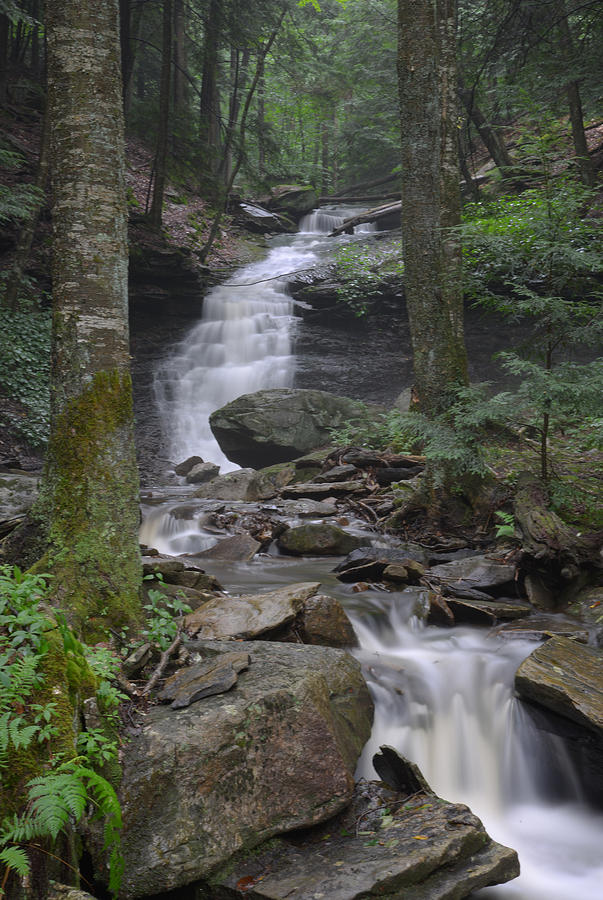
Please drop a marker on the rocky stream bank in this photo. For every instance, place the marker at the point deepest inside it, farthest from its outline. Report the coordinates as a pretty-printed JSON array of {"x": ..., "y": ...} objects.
[{"x": 238, "y": 765}]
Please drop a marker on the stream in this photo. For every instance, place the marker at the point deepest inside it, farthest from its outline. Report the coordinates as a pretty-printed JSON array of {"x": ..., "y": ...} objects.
[{"x": 443, "y": 697}]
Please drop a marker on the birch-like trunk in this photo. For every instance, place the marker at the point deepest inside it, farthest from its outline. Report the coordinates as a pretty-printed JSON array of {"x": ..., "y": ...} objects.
[
  {"x": 431, "y": 198},
  {"x": 90, "y": 496}
]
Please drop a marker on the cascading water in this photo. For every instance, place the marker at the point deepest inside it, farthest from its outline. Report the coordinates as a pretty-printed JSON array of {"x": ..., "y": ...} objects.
[
  {"x": 242, "y": 344},
  {"x": 445, "y": 700},
  {"x": 443, "y": 697}
]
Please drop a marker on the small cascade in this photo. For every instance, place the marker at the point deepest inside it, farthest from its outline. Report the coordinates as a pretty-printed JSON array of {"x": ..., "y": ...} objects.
[
  {"x": 320, "y": 222},
  {"x": 445, "y": 700}
]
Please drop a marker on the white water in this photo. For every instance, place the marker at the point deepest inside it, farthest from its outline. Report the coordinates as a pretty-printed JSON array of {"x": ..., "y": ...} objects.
[
  {"x": 242, "y": 344},
  {"x": 443, "y": 697}
]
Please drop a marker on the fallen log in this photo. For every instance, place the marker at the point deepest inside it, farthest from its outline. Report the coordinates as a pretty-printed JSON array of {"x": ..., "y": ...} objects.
[
  {"x": 371, "y": 215},
  {"x": 323, "y": 201}
]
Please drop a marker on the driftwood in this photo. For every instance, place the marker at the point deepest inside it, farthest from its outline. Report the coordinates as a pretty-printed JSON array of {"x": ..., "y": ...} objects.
[
  {"x": 371, "y": 215},
  {"x": 163, "y": 662}
]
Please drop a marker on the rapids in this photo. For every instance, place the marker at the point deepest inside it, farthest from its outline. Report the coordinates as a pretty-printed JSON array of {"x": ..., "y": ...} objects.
[{"x": 443, "y": 697}]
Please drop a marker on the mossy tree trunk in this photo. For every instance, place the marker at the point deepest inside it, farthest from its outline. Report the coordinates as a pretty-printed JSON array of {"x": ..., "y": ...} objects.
[
  {"x": 89, "y": 504},
  {"x": 427, "y": 81}
]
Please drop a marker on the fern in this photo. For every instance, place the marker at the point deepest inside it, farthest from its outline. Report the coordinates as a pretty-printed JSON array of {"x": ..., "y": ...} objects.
[{"x": 15, "y": 859}]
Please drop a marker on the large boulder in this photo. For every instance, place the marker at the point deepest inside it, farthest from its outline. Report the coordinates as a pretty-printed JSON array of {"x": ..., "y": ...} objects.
[
  {"x": 385, "y": 844},
  {"x": 278, "y": 425},
  {"x": 319, "y": 539},
  {"x": 292, "y": 199},
  {"x": 275, "y": 753}
]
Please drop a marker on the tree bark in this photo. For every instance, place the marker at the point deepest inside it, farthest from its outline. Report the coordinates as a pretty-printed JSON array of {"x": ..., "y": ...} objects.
[
  {"x": 89, "y": 499},
  {"x": 156, "y": 212},
  {"x": 488, "y": 134},
  {"x": 431, "y": 198},
  {"x": 585, "y": 163},
  {"x": 209, "y": 106}
]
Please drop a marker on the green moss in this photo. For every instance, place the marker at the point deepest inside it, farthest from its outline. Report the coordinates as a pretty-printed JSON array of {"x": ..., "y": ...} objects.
[{"x": 90, "y": 502}]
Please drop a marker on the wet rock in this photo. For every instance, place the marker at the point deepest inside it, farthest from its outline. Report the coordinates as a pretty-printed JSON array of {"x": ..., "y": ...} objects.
[
  {"x": 18, "y": 490},
  {"x": 306, "y": 508},
  {"x": 238, "y": 548},
  {"x": 326, "y": 489},
  {"x": 479, "y": 572},
  {"x": 399, "y": 773},
  {"x": 58, "y": 891},
  {"x": 319, "y": 539},
  {"x": 407, "y": 571},
  {"x": 371, "y": 562},
  {"x": 567, "y": 678},
  {"x": 202, "y": 472},
  {"x": 323, "y": 621},
  {"x": 191, "y": 596},
  {"x": 137, "y": 660},
  {"x": 538, "y": 627},
  {"x": 250, "y": 615},
  {"x": 197, "y": 579},
  {"x": 337, "y": 473},
  {"x": 274, "y": 754},
  {"x": 292, "y": 199},
  {"x": 486, "y": 612},
  {"x": 278, "y": 425},
  {"x": 388, "y": 476},
  {"x": 185, "y": 467},
  {"x": 386, "y": 844},
  {"x": 232, "y": 486},
  {"x": 588, "y": 605},
  {"x": 538, "y": 593},
  {"x": 257, "y": 219},
  {"x": 213, "y": 676},
  {"x": 161, "y": 567}
]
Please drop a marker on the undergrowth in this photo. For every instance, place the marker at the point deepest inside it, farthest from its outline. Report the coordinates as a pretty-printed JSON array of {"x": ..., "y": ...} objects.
[{"x": 25, "y": 371}]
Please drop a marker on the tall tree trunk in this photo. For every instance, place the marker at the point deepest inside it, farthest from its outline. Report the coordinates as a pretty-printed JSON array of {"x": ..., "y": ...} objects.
[
  {"x": 160, "y": 166},
  {"x": 261, "y": 122},
  {"x": 130, "y": 19},
  {"x": 239, "y": 64},
  {"x": 89, "y": 500},
  {"x": 431, "y": 198},
  {"x": 487, "y": 132},
  {"x": 241, "y": 142},
  {"x": 180, "y": 81},
  {"x": 587, "y": 169},
  {"x": 4, "y": 67},
  {"x": 324, "y": 158},
  {"x": 209, "y": 105}
]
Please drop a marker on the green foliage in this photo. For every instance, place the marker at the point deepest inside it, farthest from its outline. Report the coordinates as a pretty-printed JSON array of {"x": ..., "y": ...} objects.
[
  {"x": 25, "y": 372},
  {"x": 506, "y": 526},
  {"x": 161, "y": 626},
  {"x": 362, "y": 272},
  {"x": 536, "y": 259},
  {"x": 62, "y": 795},
  {"x": 17, "y": 201}
]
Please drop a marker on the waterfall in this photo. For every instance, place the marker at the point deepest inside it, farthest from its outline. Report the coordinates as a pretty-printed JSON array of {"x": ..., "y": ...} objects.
[
  {"x": 444, "y": 698},
  {"x": 242, "y": 344}
]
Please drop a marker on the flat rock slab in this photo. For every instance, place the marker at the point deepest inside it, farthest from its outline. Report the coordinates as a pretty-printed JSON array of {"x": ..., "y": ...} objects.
[
  {"x": 250, "y": 615},
  {"x": 486, "y": 612},
  {"x": 276, "y": 753},
  {"x": 384, "y": 845},
  {"x": 238, "y": 548},
  {"x": 567, "y": 678},
  {"x": 479, "y": 572},
  {"x": 326, "y": 489},
  {"x": 541, "y": 626},
  {"x": 18, "y": 490},
  {"x": 213, "y": 676}
]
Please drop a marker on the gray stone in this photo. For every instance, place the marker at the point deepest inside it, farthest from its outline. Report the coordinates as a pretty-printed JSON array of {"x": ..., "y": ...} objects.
[
  {"x": 477, "y": 571},
  {"x": 250, "y": 615},
  {"x": 184, "y": 468},
  {"x": 215, "y": 675},
  {"x": 566, "y": 678},
  {"x": 232, "y": 486},
  {"x": 202, "y": 472},
  {"x": 292, "y": 199},
  {"x": 539, "y": 627},
  {"x": 319, "y": 539},
  {"x": 276, "y": 753},
  {"x": 238, "y": 548},
  {"x": 306, "y": 508},
  {"x": 486, "y": 612},
  {"x": 337, "y": 473},
  {"x": 323, "y": 621},
  {"x": 18, "y": 490},
  {"x": 321, "y": 491},
  {"x": 386, "y": 844},
  {"x": 278, "y": 425}
]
